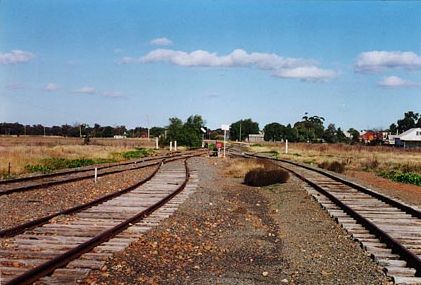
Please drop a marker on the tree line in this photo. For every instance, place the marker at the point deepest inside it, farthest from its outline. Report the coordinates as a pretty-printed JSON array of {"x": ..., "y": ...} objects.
[
  {"x": 308, "y": 129},
  {"x": 75, "y": 130},
  {"x": 312, "y": 129},
  {"x": 193, "y": 130}
]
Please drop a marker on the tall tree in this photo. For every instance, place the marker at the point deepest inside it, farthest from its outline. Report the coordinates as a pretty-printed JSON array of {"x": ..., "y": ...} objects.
[
  {"x": 310, "y": 128},
  {"x": 187, "y": 134},
  {"x": 274, "y": 132},
  {"x": 341, "y": 136},
  {"x": 174, "y": 129},
  {"x": 409, "y": 121},
  {"x": 330, "y": 134},
  {"x": 245, "y": 127}
]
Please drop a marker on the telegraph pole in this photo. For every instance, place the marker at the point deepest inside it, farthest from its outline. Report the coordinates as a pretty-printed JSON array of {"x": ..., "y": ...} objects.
[{"x": 240, "y": 130}]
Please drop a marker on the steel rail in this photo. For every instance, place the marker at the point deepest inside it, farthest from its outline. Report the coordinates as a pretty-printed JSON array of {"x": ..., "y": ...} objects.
[
  {"x": 78, "y": 178},
  {"x": 412, "y": 259},
  {"x": 63, "y": 259},
  {"x": 81, "y": 169},
  {"x": 18, "y": 229},
  {"x": 388, "y": 200}
]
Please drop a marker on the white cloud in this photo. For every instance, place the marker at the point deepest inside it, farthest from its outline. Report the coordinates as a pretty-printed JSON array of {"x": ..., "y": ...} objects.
[
  {"x": 161, "y": 42},
  {"x": 374, "y": 61},
  {"x": 86, "y": 90},
  {"x": 15, "y": 57},
  {"x": 283, "y": 67},
  {"x": 396, "y": 82},
  {"x": 307, "y": 73},
  {"x": 50, "y": 87}
]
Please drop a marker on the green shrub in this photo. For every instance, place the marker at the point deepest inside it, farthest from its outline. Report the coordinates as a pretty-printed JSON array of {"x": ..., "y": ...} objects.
[
  {"x": 137, "y": 153},
  {"x": 403, "y": 177},
  {"x": 51, "y": 164}
]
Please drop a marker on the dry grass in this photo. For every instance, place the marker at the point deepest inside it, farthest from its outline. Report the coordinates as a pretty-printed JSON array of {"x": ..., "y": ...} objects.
[
  {"x": 355, "y": 157},
  {"x": 8, "y": 141},
  {"x": 31, "y": 150},
  {"x": 239, "y": 167}
]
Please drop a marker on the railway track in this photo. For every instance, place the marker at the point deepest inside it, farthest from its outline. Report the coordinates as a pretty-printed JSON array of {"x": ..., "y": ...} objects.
[
  {"x": 28, "y": 183},
  {"x": 387, "y": 228},
  {"x": 68, "y": 247},
  {"x": 19, "y": 228}
]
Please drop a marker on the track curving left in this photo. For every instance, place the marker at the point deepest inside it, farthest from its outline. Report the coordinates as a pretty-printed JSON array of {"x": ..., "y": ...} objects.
[
  {"x": 38, "y": 252},
  {"x": 11, "y": 186}
]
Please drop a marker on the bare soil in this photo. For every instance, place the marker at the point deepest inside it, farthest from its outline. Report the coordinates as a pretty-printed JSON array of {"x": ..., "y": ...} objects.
[{"x": 408, "y": 193}]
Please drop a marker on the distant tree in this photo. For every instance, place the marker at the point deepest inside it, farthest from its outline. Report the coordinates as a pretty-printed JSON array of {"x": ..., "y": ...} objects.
[
  {"x": 274, "y": 132},
  {"x": 188, "y": 133},
  {"x": 216, "y": 134},
  {"x": 107, "y": 132},
  {"x": 393, "y": 128},
  {"x": 341, "y": 136},
  {"x": 310, "y": 128},
  {"x": 355, "y": 135},
  {"x": 291, "y": 134},
  {"x": 174, "y": 129},
  {"x": 192, "y": 135},
  {"x": 409, "y": 121},
  {"x": 247, "y": 127},
  {"x": 330, "y": 134},
  {"x": 156, "y": 132}
]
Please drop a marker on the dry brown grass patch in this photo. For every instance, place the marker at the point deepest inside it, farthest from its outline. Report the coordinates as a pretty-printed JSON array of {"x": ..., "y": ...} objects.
[{"x": 239, "y": 167}]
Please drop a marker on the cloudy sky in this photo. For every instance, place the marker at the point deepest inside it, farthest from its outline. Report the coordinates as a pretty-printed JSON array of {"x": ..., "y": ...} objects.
[{"x": 358, "y": 64}]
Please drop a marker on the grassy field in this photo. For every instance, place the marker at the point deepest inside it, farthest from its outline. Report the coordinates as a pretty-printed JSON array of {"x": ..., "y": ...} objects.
[
  {"x": 394, "y": 163},
  {"x": 31, "y": 154}
]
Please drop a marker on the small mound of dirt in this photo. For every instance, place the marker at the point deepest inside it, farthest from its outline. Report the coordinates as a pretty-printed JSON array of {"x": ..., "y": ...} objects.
[{"x": 265, "y": 177}]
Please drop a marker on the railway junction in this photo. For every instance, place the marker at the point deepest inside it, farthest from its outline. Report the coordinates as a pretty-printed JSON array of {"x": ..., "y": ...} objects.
[{"x": 182, "y": 218}]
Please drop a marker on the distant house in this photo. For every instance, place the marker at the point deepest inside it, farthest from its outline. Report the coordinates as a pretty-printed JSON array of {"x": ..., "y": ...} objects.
[
  {"x": 391, "y": 139},
  {"x": 409, "y": 139},
  {"x": 120, "y": 137},
  {"x": 368, "y": 137},
  {"x": 373, "y": 137},
  {"x": 256, "y": 137}
]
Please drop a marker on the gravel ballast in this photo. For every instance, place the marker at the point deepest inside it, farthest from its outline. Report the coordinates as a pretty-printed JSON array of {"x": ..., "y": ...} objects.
[
  {"x": 25, "y": 206},
  {"x": 230, "y": 233}
]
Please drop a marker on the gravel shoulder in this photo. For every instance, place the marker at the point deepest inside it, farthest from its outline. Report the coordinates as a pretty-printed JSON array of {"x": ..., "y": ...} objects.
[
  {"x": 229, "y": 233},
  {"x": 25, "y": 206}
]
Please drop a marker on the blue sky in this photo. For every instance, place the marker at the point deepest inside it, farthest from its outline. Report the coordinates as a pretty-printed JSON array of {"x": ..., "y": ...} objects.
[{"x": 358, "y": 64}]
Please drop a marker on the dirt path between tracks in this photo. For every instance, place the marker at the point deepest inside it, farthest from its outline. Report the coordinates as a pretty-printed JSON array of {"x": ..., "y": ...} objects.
[{"x": 229, "y": 233}]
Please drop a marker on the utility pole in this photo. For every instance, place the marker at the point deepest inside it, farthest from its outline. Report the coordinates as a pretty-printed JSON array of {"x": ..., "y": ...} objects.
[
  {"x": 147, "y": 122},
  {"x": 44, "y": 131},
  {"x": 80, "y": 130},
  {"x": 240, "y": 130}
]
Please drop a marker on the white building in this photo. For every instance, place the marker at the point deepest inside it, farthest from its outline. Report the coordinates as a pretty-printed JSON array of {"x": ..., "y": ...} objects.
[
  {"x": 256, "y": 137},
  {"x": 410, "y": 138}
]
